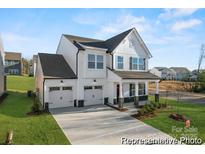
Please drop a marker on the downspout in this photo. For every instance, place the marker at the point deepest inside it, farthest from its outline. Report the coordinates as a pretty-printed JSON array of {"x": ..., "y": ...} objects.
[
  {"x": 112, "y": 60},
  {"x": 43, "y": 93}
]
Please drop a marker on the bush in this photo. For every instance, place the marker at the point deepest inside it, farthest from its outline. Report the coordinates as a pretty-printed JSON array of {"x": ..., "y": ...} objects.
[{"x": 36, "y": 106}]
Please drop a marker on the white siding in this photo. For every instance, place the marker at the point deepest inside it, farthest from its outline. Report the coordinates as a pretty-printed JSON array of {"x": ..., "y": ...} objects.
[
  {"x": 68, "y": 50},
  {"x": 130, "y": 47},
  {"x": 84, "y": 71}
]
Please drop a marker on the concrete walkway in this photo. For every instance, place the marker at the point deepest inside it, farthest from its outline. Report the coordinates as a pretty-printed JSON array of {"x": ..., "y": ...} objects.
[{"x": 102, "y": 125}]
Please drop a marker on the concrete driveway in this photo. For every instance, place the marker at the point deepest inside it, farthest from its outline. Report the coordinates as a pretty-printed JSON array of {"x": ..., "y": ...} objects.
[{"x": 102, "y": 125}]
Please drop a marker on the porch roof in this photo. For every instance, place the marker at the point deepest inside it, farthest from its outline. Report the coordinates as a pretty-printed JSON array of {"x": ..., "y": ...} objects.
[{"x": 136, "y": 75}]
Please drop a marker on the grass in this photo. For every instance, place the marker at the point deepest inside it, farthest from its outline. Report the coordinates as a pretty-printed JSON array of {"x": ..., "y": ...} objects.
[
  {"x": 193, "y": 111},
  {"x": 41, "y": 129},
  {"x": 20, "y": 83}
]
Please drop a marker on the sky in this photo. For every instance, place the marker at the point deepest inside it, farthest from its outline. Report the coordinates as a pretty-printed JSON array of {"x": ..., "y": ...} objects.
[{"x": 173, "y": 36}]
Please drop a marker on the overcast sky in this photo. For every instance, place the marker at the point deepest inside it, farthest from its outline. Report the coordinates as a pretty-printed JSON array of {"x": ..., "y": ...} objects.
[{"x": 173, "y": 36}]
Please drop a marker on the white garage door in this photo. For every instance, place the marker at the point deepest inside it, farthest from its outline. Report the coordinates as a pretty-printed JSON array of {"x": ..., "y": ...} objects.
[
  {"x": 60, "y": 97},
  {"x": 93, "y": 95}
]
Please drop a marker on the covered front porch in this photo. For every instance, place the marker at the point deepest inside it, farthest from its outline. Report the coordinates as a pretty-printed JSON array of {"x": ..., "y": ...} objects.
[
  {"x": 132, "y": 86},
  {"x": 135, "y": 91}
]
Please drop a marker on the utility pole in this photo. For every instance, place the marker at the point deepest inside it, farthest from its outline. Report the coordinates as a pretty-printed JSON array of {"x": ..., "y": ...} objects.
[{"x": 202, "y": 56}]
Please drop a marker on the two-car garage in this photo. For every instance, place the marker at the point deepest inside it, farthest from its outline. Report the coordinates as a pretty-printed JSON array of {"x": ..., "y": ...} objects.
[{"x": 63, "y": 96}]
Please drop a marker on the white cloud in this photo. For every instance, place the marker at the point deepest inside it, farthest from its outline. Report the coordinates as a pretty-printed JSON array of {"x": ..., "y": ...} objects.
[
  {"x": 15, "y": 38},
  {"x": 175, "y": 13},
  {"x": 123, "y": 23},
  {"x": 181, "y": 25}
]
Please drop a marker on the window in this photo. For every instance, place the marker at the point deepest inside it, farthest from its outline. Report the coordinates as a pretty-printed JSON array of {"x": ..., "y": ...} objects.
[
  {"x": 141, "y": 64},
  {"x": 141, "y": 89},
  {"x": 54, "y": 88},
  {"x": 98, "y": 87},
  {"x": 99, "y": 62},
  {"x": 88, "y": 87},
  {"x": 133, "y": 63},
  {"x": 95, "y": 61},
  {"x": 67, "y": 88},
  {"x": 91, "y": 61},
  {"x": 132, "y": 89},
  {"x": 120, "y": 62}
]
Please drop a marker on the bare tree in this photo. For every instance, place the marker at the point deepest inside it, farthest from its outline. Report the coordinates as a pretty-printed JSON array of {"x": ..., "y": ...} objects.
[{"x": 202, "y": 56}]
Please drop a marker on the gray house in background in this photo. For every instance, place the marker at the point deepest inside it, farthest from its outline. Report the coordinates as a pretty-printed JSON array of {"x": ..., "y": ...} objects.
[
  {"x": 13, "y": 63},
  {"x": 164, "y": 73},
  {"x": 182, "y": 73}
]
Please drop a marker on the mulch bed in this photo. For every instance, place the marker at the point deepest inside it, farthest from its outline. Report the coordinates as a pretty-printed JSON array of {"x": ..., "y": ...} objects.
[
  {"x": 36, "y": 113},
  {"x": 178, "y": 117},
  {"x": 150, "y": 115}
]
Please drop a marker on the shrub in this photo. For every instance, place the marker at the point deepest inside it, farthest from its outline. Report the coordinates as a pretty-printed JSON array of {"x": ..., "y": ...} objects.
[{"x": 36, "y": 106}]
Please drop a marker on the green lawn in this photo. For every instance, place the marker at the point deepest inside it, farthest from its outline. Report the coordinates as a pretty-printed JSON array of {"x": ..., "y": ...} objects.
[
  {"x": 20, "y": 83},
  {"x": 41, "y": 129},
  {"x": 195, "y": 112}
]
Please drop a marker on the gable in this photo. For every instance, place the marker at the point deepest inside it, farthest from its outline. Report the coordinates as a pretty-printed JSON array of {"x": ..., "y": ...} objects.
[{"x": 132, "y": 45}]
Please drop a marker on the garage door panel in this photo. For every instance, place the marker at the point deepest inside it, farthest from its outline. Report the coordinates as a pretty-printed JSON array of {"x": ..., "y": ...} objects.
[
  {"x": 61, "y": 98},
  {"x": 93, "y": 95}
]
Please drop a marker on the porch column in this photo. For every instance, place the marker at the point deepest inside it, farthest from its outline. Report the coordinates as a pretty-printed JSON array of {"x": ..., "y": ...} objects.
[
  {"x": 146, "y": 88},
  {"x": 136, "y": 98},
  {"x": 121, "y": 99},
  {"x": 157, "y": 91}
]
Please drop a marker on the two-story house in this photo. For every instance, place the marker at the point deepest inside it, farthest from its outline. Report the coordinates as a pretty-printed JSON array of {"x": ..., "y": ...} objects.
[
  {"x": 87, "y": 71},
  {"x": 2, "y": 74},
  {"x": 182, "y": 73},
  {"x": 164, "y": 73},
  {"x": 13, "y": 63}
]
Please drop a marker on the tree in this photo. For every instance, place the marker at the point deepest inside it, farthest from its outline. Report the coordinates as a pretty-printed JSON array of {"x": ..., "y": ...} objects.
[{"x": 25, "y": 63}]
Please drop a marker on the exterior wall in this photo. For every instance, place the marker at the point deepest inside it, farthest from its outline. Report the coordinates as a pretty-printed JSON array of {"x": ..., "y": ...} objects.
[
  {"x": 130, "y": 47},
  {"x": 84, "y": 71},
  {"x": 182, "y": 76},
  {"x": 58, "y": 83},
  {"x": 1, "y": 68},
  {"x": 69, "y": 51}
]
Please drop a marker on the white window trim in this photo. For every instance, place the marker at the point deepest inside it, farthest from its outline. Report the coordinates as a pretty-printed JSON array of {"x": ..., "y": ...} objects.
[
  {"x": 119, "y": 62},
  {"x": 135, "y": 64},
  {"x": 96, "y": 62}
]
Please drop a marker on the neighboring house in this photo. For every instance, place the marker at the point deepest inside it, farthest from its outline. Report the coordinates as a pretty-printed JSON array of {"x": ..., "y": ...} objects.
[
  {"x": 87, "y": 71},
  {"x": 194, "y": 74},
  {"x": 164, "y": 73},
  {"x": 182, "y": 73},
  {"x": 13, "y": 63},
  {"x": 2, "y": 74},
  {"x": 33, "y": 65}
]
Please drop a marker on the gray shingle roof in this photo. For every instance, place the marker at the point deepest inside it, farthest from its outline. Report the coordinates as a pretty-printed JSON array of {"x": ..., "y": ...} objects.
[
  {"x": 136, "y": 75},
  {"x": 54, "y": 65},
  {"x": 109, "y": 44},
  {"x": 180, "y": 69},
  {"x": 12, "y": 56}
]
